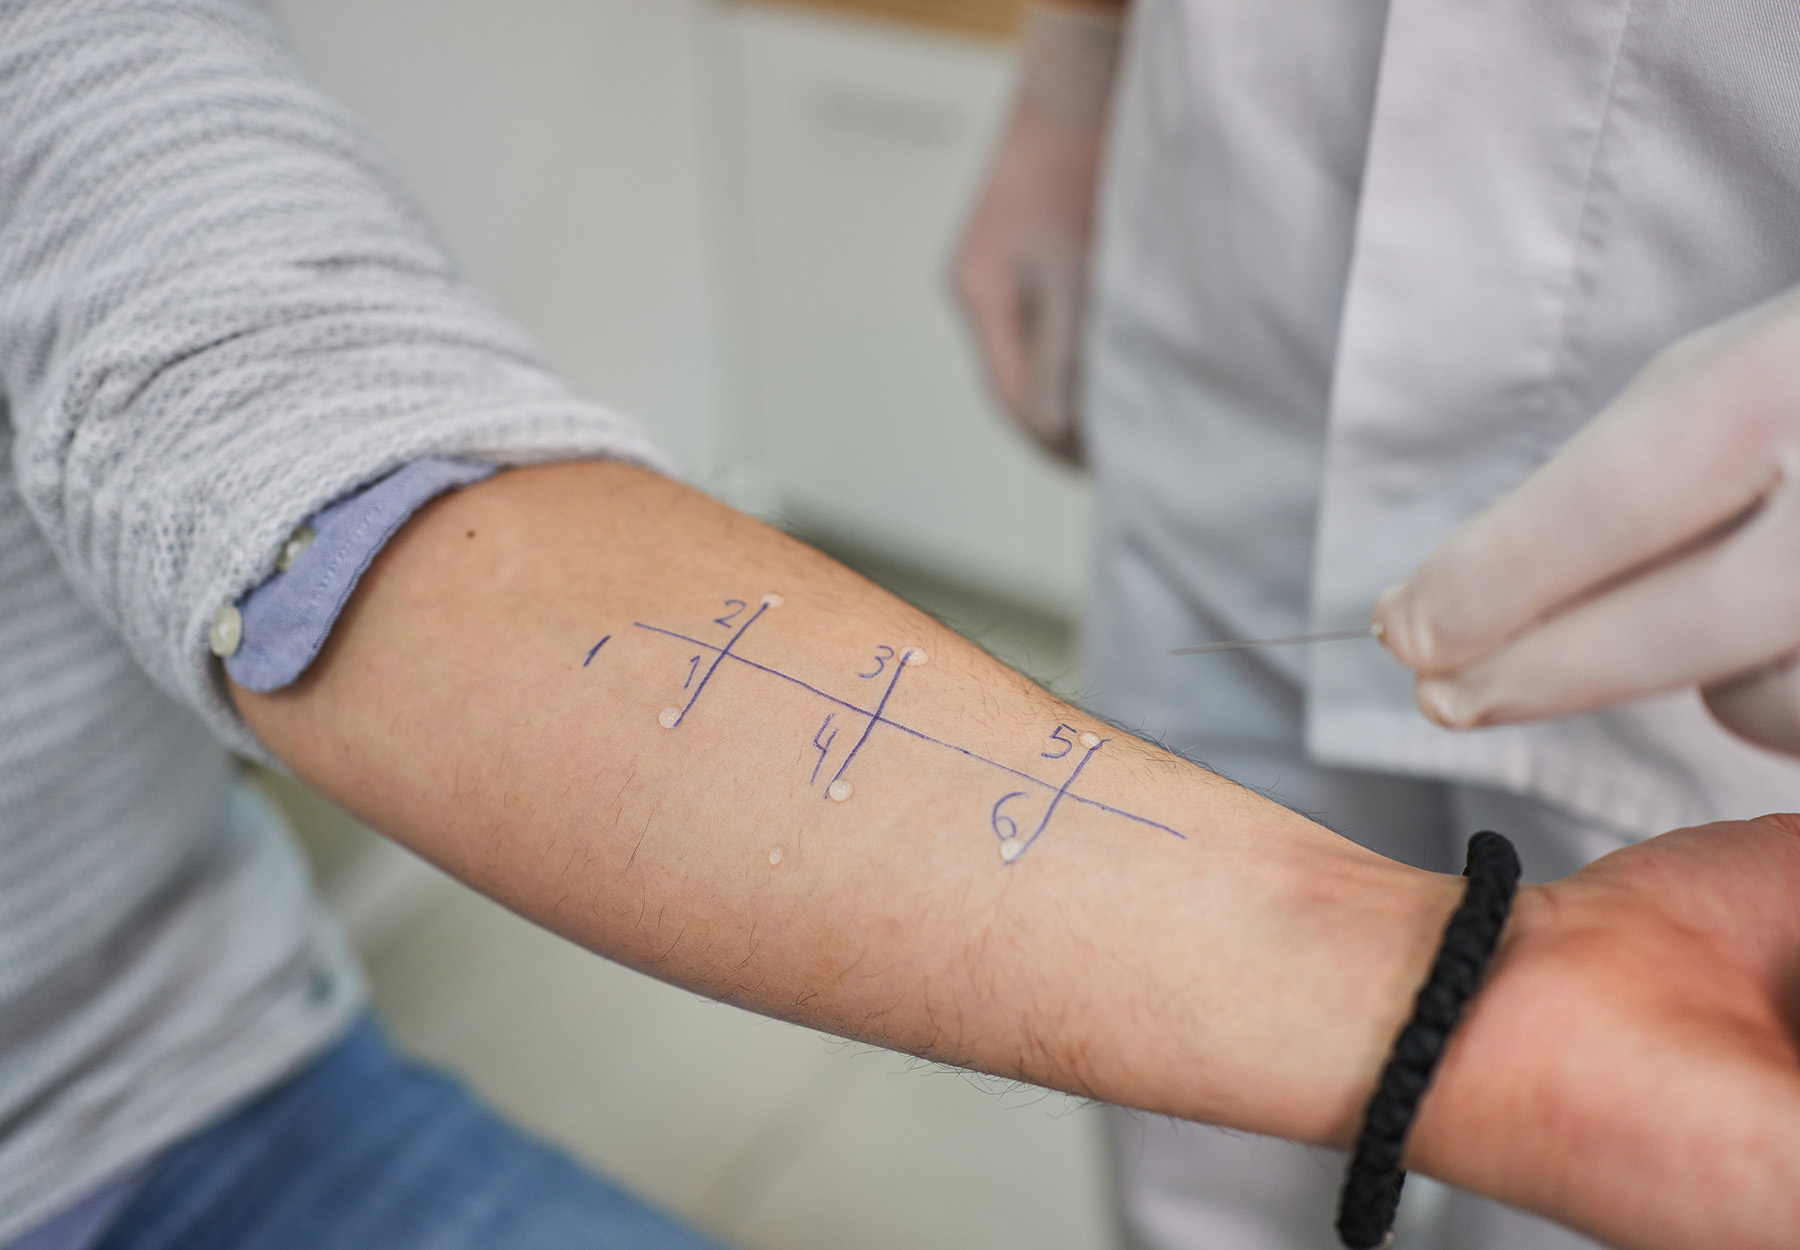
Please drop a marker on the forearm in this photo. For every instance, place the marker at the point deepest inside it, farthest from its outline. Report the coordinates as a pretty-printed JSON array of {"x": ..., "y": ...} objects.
[{"x": 1162, "y": 938}]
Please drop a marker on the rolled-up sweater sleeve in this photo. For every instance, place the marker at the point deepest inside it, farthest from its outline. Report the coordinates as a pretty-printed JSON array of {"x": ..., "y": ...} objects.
[{"x": 219, "y": 312}]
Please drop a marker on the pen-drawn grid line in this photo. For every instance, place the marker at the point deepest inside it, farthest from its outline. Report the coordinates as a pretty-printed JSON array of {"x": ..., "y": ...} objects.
[
  {"x": 875, "y": 718},
  {"x": 718, "y": 660},
  {"x": 921, "y": 735},
  {"x": 1061, "y": 791}
]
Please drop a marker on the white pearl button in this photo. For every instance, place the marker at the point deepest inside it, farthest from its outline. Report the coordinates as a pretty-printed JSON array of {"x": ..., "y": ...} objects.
[
  {"x": 227, "y": 631},
  {"x": 294, "y": 548}
]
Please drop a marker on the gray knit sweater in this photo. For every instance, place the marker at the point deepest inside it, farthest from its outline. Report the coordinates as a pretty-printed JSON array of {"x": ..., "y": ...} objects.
[{"x": 218, "y": 311}]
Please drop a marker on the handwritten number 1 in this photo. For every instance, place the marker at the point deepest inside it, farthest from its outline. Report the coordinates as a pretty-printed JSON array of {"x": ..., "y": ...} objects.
[
  {"x": 693, "y": 665},
  {"x": 732, "y": 615}
]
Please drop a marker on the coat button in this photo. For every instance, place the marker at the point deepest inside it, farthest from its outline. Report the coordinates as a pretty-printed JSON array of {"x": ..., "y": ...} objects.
[{"x": 227, "y": 631}]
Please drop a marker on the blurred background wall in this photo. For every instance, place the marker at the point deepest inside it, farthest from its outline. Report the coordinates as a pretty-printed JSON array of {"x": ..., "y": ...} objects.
[{"x": 734, "y": 221}]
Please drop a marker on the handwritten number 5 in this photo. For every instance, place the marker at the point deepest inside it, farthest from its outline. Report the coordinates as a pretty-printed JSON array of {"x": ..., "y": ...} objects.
[
  {"x": 1068, "y": 744},
  {"x": 732, "y": 615},
  {"x": 882, "y": 656}
]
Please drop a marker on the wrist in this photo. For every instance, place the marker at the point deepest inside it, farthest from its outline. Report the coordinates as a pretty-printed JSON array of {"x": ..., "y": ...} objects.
[
  {"x": 1350, "y": 938},
  {"x": 1491, "y": 1051},
  {"x": 1070, "y": 56},
  {"x": 1371, "y": 1195}
]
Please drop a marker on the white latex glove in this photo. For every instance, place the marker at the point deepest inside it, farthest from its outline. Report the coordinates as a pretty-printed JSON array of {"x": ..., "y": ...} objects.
[
  {"x": 1659, "y": 549},
  {"x": 1021, "y": 272}
]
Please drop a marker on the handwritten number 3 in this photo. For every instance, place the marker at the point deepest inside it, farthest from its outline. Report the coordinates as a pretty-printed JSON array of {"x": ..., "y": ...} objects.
[
  {"x": 881, "y": 660},
  {"x": 732, "y": 615}
]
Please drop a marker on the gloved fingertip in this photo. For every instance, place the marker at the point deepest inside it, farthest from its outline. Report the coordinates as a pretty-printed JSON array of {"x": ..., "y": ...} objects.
[
  {"x": 1447, "y": 703},
  {"x": 1387, "y": 624},
  {"x": 1761, "y": 707}
]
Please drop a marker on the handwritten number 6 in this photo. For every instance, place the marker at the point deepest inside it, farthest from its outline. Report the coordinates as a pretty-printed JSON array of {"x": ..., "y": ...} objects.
[
  {"x": 732, "y": 615},
  {"x": 880, "y": 661},
  {"x": 1005, "y": 826},
  {"x": 1068, "y": 744}
]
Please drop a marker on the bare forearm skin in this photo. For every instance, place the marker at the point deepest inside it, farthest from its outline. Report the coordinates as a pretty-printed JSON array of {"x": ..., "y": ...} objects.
[{"x": 1249, "y": 968}]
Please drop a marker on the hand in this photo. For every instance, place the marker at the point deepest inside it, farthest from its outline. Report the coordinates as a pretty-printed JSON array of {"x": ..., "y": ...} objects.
[
  {"x": 1659, "y": 549},
  {"x": 1021, "y": 272},
  {"x": 1632, "y": 1067}
]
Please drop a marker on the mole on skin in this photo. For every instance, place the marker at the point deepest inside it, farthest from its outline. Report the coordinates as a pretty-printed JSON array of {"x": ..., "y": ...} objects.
[
  {"x": 668, "y": 717},
  {"x": 840, "y": 790}
]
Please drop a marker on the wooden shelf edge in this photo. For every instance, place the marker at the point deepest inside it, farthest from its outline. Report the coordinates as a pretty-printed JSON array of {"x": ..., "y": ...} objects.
[{"x": 991, "y": 19}]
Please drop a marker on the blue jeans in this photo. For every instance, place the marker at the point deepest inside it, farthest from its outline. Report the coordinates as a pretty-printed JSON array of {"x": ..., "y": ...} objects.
[{"x": 365, "y": 1151}]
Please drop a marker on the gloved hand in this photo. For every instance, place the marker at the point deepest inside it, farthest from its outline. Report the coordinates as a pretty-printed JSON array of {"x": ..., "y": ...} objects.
[
  {"x": 1021, "y": 272},
  {"x": 1659, "y": 549}
]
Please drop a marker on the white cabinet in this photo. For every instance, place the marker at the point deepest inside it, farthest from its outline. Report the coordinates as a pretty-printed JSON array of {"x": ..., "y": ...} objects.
[
  {"x": 734, "y": 221},
  {"x": 859, "y": 148},
  {"x": 558, "y": 145}
]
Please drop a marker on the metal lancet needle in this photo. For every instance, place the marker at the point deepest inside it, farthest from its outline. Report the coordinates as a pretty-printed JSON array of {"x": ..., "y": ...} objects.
[{"x": 1293, "y": 640}]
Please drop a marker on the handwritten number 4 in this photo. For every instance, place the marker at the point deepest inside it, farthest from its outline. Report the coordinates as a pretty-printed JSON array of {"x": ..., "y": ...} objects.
[
  {"x": 1068, "y": 744},
  {"x": 824, "y": 746}
]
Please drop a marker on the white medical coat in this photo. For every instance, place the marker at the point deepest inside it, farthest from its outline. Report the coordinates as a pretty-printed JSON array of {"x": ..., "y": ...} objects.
[{"x": 1362, "y": 268}]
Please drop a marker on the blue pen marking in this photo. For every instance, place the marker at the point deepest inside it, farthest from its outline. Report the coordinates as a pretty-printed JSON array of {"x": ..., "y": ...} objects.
[
  {"x": 1068, "y": 744},
  {"x": 874, "y": 717},
  {"x": 997, "y": 820},
  {"x": 1061, "y": 791},
  {"x": 824, "y": 747},
  {"x": 596, "y": 650},
  {"x": 849, "y": 706},
  {"x": 719, "y": 658}
]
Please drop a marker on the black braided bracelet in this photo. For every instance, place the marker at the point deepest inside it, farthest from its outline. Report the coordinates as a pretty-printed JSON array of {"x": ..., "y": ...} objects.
[{"x": 1372, "y": 1187}]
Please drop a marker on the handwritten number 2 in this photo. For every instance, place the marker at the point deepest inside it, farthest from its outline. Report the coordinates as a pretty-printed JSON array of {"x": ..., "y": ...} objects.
[
  {"x": 737, "y": 606},
  {"x": 882, "y": 656},
  {"x": 1068, "y": 744}
]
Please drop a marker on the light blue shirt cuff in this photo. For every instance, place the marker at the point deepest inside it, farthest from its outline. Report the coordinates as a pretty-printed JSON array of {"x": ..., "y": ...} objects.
[{"x": 287, "y": 619}]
